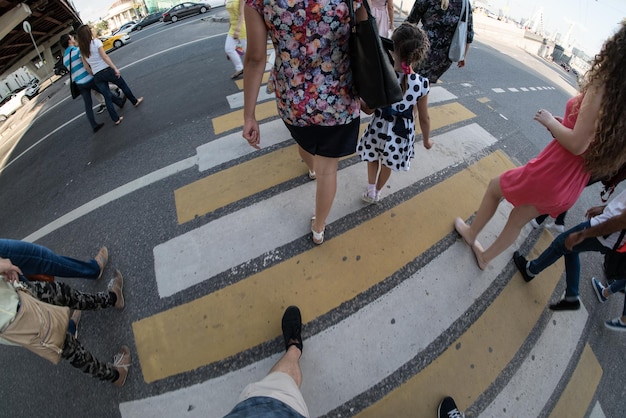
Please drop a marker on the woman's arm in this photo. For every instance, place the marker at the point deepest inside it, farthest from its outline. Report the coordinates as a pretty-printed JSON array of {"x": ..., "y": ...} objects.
[
  {"x": 254, "y": 67},
  {"x": 106, "y": 59},
  {"x": 576, "y": 140},
  {"x": 86, "y": 65}
]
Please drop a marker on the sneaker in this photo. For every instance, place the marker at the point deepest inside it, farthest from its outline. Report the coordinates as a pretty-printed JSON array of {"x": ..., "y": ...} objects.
[
  {"x": 237, "y": 74},
  {"x": 102, "y": 258},
  {"x": 448, "y": 409},
  {"x": 76, "y": 319},
  {"x": 369, "y": 197},
  {"x": 522, "y": 265},
  {"x": 615, "y": 324},
  {"x": 557, "y": 229},
  {"x": 534, "y": 224},
  {"x": 101, "y": 108},
  {"x": 292, "y": 328},
  {"x": 115, "y": 286},
  {"x": 121, "y": 363},
  {"x": 597, "y": 286},
  {"x": 566, "y": 305}
]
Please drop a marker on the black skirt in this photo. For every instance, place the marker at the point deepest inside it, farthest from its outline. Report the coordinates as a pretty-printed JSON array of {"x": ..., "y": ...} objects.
[{"x": 327, "y": 141}]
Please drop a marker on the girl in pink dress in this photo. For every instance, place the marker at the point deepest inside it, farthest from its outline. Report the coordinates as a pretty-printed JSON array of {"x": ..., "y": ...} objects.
[
  {"x": 588, "y": 142},
  {"x": 383, "y": 12}
]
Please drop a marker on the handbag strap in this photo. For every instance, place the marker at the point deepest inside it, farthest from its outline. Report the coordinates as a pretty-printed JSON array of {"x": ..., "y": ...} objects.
[
  {"x": 71, "y": 67},
  {"x": 352, "y": 14},
  {"x": 464, "y": 8}
]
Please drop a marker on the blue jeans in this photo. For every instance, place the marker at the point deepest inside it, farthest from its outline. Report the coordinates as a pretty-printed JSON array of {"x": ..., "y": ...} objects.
[
  {"x": 557, "y": 250},
  {"x": 102, "y": 79},
  {"x": 36, "y": 259},
  {"x": 85, "y": 93},
  {"x": 616, "y": 286}
]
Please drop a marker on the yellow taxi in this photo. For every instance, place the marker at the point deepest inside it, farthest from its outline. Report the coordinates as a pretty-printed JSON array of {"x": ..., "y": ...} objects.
[{"x": 116, "y": 41}]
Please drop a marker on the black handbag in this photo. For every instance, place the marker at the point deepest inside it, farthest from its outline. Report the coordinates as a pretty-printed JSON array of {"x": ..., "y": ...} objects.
[
  {"x": 73, "y": 86},
  {"x": 373, "y": 75}
]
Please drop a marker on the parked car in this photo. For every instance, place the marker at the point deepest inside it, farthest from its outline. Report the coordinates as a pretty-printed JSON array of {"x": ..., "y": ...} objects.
[
  {"x": 32, "y": 89},
  {"x": 125, "y": 28},
  {"x": 115, "y": 41},
  {"x": 59, "y": 68},
  {"x": 184, "y": 10},
  {"x": 148, "y": 20},
  {"x": 11, "y": 103}
]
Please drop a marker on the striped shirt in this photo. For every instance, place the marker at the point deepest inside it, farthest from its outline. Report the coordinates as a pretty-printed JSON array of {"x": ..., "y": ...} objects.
[{"x": 79, "y": 74}]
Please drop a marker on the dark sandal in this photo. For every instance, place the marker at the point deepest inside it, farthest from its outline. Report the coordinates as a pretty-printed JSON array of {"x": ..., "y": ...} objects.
[{"x": 292, "y": 328}]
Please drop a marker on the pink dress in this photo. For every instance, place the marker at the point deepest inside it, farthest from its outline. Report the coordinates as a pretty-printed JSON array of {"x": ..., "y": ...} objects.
[
  {"x": 380, "y": 12},
  {"x": 552, "y": 181}
]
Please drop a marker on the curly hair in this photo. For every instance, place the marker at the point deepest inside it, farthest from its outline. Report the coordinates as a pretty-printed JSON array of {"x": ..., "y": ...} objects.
[
  {"x": 607, "y": 152},
  {"x": 410, "y": 44}
]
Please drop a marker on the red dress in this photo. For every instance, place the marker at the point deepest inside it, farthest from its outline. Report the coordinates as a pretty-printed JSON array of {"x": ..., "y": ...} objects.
[{"x": 552, "y": 181}]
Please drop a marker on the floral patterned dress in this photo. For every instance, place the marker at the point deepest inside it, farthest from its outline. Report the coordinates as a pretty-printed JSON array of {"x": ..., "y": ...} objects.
[
  {"x": 439, "y": 26},
  {"x": 311, "y": 76}
]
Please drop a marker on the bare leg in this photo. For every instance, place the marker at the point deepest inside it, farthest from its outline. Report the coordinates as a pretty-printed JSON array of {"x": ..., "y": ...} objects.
[
  {"x": 307, "y": 158},
  {"x": 289, "y": 363},
  {"x": 372, "y": 171},
  {"x": 518, "y": 217},
  {"x": 326, "y": 169},
  {"x": 487, "y": 208},
  {"x": 383, "y": 176}
]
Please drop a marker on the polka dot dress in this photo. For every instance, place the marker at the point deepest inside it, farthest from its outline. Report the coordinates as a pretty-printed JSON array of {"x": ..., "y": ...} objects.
[{"x": 390, "y": 135}]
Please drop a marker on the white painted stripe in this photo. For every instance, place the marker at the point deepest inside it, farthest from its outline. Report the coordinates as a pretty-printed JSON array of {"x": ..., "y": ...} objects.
[
  {"x": 502, "y": 116},
  {"x": 498, "y": 90},
  {"x": 111, "y": 196},
  {"x": 532, "y": 89},
  {"x": 197, "y": 255},
  {"x": 328, "y": 383},
  {"x": 523, "y": 89},
  {"x": 235, "y": 101},
  {"x": 439, "y": 94},
  {"x": 513, "y": 89},
  {"x": 537, "y": 378},
  {"x": 597, "y": 412}
]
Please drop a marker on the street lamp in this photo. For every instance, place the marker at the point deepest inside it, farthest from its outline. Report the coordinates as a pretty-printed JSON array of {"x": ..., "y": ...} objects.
[{"x": 28, "y": 30}]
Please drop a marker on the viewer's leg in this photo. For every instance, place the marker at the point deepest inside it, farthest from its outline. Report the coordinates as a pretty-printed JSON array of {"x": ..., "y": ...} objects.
[
  {"x": 290, "y": 364},
  {"x": 326, "y": 170}
]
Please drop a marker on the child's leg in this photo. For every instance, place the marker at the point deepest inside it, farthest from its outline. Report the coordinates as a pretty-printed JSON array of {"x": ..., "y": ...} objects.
[
  {"x": 487, "y": 208},
  {"x": 372, "y": 171},
  {"x": 383, "y": 176},
  {"x": 518, "y": 217}
]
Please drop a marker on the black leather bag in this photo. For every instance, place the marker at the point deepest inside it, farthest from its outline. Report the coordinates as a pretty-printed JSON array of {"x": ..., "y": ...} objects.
[
  {"x": 73, "y": 86},
  {"x": 374, "y": 78}
]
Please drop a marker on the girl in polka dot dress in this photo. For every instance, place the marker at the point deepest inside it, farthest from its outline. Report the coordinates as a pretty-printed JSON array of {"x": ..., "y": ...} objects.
[{"x": 390, "y": 136}]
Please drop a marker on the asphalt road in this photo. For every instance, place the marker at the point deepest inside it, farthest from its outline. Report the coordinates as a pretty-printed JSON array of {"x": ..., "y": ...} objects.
[{"x": 74, "y": 191}]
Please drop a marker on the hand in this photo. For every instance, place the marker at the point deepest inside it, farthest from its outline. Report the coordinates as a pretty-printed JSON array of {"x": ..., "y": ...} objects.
[
  {"x": 10, "y": 271},
  {"x": 117, "y": 73},
  {"x": 594, "y": 211},
  {"x": 428, "y": 143},
  {"x": 251, "y": 133},
  {"x": 461, "y": 63},
  {"x": 544, "y": 117},
  {"x": 573, "y": 239}
]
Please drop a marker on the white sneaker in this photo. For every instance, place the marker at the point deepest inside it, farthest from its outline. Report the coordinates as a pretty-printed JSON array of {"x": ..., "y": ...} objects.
[
  {"x": 535, "y": 224},
  {"x": 557, "y": 229},
  {"x": 368, "y": 197}
]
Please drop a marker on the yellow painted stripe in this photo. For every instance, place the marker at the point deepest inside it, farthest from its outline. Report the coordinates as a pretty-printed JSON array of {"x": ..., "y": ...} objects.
[
  {"x": 233, "y": 319},
  {"x": 234, "y": 119},
  {"x": 471, "y": 363},
  {"x": 239, "y": 82},
  {"x": 484, "y": 99},
  {"x": 217, "y": 190},
  {"x": 577, "y": 396}
]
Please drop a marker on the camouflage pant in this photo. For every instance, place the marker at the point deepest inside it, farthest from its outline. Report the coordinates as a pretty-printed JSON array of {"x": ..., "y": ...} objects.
[{"x": 61, "y": 294}]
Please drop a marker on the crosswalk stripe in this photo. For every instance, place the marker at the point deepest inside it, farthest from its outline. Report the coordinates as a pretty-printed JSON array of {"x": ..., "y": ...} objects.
[
  {"x": 578, "y": 393},
  {"x": 234, "y": 119},
  {"x": 164, "y": 340},
  {"x": 245, "y": 179},
  {"x": 196, "y": 256},
  {"x": 472, "y": 362}
]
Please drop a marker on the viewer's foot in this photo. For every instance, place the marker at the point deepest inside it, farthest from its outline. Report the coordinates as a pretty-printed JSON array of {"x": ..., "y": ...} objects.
[
  {"x": 599, "y": 289},
  {"x": 463, "y": 230},
  {"x": 448, "y": 409},
  {"x": 479, "y": 254},
  {"x": 116, "y": 286},
  {"x": 121, "y": 363},
  {"x": 522, "y": 265},
  {"x": 102, "y": 258},
  {"x": 566, "y": 305},
  {"x": 615, "y": 324},
  {"x": 292, "y": 328}
]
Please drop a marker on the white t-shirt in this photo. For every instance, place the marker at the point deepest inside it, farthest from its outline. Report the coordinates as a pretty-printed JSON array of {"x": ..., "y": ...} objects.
[
  {"x": 616, "y": 207},
  {"x": 95, "y": 60}
]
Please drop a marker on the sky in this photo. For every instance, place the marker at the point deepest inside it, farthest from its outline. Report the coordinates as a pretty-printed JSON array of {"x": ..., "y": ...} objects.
[{"x": 594, "y": 20}]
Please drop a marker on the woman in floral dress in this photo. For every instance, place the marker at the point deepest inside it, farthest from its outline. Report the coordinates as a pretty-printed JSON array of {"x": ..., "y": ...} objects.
[{"x": 312, "y": 81}]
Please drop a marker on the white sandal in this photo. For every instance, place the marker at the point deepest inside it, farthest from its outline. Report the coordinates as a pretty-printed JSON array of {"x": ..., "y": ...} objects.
[{"x": 318, "y": 237}]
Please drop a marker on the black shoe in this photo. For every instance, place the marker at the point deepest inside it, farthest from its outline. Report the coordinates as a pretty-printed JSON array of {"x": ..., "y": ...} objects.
[
  {"x": 447, "y": 409},
  {"x": 292, "y": 328},
  {"x": 566, "y": 305},
  {"x": 98, "y": 127},
  {"x": 521, "y": 263}
]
